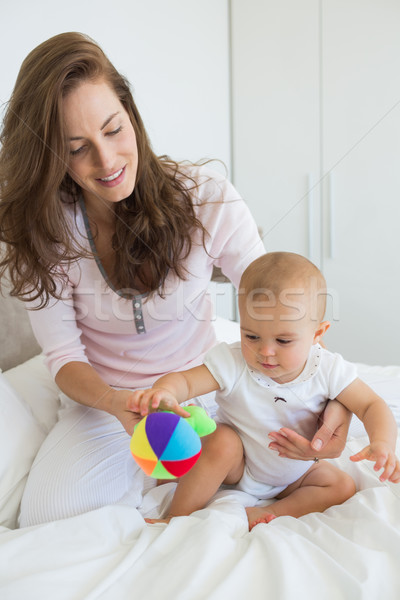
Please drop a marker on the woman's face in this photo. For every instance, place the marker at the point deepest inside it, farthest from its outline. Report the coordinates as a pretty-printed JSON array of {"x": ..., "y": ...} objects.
[{"x": 103, "y": 155}]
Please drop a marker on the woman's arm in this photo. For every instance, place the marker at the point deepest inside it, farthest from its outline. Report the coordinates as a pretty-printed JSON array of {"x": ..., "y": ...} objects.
[
  {"x": 233, "y": 239},
  {"x": 80, "y": 382},
  {"x": 57, "y": 330}
]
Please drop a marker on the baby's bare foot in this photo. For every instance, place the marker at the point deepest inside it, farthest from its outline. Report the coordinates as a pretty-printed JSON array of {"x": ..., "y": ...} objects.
[
  {"x": 152, "y": 521},
  {"x": 258, "y": 514},
  {"x": 267, "y": 518}
]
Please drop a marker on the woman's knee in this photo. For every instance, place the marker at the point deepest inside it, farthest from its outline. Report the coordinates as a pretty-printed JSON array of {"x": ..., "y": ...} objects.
[{"x": 79, "y": 468}]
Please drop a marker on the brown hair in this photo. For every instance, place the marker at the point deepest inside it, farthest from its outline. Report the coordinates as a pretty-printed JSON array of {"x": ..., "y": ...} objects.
[{"x": 34, "y": 183}]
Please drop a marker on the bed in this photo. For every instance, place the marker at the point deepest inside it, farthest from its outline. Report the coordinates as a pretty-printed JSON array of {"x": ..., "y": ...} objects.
[{"x": 350, "y": 551}]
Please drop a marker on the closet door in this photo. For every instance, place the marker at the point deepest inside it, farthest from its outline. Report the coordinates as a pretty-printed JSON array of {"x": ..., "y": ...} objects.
[
  {"x": 361, "y": 184},
  {"x": 275, "y": 114}
]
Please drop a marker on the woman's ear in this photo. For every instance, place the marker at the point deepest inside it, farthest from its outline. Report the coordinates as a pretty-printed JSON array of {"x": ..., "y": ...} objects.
[{"x": 321, "y": 330}]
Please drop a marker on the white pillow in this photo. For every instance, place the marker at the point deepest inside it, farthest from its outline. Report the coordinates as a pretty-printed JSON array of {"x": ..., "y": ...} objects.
[
  {"x": 226, "y": 331},
  {"x": 20, "y": 439},
  {"x": 34, "y": 384}
]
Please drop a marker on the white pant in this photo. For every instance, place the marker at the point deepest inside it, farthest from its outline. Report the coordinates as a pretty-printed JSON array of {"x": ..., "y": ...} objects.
[{"x": 83, "y": 464}]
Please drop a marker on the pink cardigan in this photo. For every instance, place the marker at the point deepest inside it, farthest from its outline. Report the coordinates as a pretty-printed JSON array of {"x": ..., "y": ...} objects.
[{"x": 129, "y": 342}]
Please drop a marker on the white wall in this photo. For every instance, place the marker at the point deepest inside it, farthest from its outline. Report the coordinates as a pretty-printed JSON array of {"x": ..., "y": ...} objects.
[
  {"x": 174, "y": 53},
  {"x": 316, "y": 152}
]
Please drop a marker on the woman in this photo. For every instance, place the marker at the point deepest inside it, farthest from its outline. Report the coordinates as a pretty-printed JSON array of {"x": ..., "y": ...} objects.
[{"x": 113, "y": 250}]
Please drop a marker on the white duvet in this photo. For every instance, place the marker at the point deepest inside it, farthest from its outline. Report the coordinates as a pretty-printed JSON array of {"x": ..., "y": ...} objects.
[{"x": 351, "y": 551}]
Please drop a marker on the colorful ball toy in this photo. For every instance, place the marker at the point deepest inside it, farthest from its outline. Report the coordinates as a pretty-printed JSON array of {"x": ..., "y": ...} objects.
[{"x": 166, "y": 445}]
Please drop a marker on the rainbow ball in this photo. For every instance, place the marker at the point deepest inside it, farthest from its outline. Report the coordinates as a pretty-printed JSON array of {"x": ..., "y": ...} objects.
[{"x": 164, "y": 445}]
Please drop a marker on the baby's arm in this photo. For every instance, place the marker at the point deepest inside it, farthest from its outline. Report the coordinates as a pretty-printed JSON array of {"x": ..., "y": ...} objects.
[
  {"x": 172, "y": 389},
  {"x": 380, "y": 426}
]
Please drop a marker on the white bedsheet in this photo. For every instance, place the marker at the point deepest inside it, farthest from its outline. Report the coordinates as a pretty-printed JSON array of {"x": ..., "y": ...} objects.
[{"x": 351, "y": 551}]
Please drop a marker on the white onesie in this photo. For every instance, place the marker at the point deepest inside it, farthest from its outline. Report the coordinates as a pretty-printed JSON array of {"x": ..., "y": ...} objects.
[{"x": 254, "y": 405}]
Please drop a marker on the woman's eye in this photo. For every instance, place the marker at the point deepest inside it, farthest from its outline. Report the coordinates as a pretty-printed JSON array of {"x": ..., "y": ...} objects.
[
  {"x": 77, "y": 151},
  {"x": 115, "y": 131}
]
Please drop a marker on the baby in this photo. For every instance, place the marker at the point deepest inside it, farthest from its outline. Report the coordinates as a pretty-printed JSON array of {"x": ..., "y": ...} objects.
[{"x": 277, "y": 376}]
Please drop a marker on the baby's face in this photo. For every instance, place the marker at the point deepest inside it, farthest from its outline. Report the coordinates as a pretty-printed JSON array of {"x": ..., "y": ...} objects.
[{"x": 276, "y": 340}]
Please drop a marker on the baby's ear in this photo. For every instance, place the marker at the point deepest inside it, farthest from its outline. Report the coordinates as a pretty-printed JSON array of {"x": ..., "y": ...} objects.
[{"x": 321, "y": 330}]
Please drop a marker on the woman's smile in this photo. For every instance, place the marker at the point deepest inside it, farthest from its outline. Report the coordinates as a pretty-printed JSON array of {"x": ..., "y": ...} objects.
[
  {"x": 103, "y": 150},
  {"x": 114, "y": 179}
]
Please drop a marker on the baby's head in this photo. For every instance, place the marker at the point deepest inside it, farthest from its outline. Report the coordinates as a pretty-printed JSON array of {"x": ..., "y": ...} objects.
[{"x": 282, "y": 299}]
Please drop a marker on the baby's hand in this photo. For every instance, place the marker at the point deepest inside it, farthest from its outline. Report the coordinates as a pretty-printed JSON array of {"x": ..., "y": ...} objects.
[
  {"x": 384, "y": 458},
  {"x": 146, "y": 401}
]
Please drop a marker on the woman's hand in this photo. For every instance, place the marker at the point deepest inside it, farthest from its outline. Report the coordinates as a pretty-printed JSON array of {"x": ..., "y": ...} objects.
[
  {"x": 130, "y": 407},
  {"x": 120, "y": 402},
  {"x": 328, "y": 442}
]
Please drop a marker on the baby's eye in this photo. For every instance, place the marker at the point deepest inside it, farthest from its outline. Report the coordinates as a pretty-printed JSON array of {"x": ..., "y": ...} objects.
[
  {"x": 284, "y": 342},
  {"x": 252, "y": 338}
]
